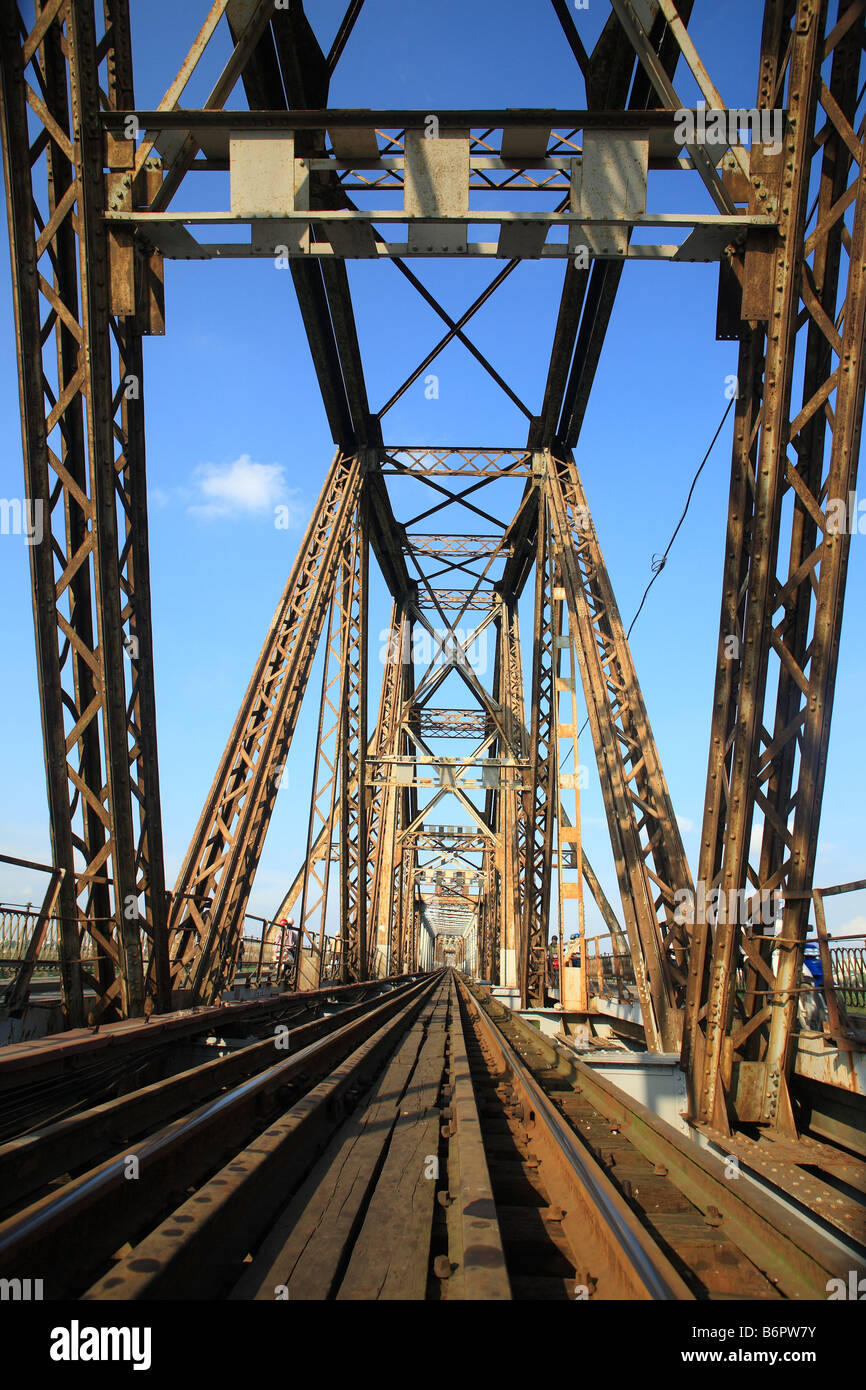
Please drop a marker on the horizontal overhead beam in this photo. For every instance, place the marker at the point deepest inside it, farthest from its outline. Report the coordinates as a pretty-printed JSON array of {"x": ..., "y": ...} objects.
[
  {"x": 169, "y": 233},
  {"x": 335, "y": 118},
  {"x": 290, "y": 191}
]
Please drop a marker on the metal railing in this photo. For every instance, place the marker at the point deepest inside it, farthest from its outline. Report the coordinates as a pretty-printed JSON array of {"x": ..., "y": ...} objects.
[
  {"x": 16, "y": 930},
  {"x": 610, "y": 970},
  {"x": 832, "y": 995},
  {"x": 849, "y": 971}
]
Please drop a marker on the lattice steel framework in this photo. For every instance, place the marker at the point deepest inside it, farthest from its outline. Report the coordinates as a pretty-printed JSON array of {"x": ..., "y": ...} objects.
[
  {"x": 90, "y": 211},
  {"x": 796, "y": 447},
  {"x": 215, "y": 881},
  {"x": 539, "y": 804},
  {"x": 80, "y": 369},
  {"x": 315, "y": 875},
  {"x": 648, "y": 851}
]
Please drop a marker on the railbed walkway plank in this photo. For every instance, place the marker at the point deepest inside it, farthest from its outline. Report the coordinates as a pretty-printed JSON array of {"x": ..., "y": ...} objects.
[
  {"x": 305, "y": 1250},
  {"x": 391, "y": 1256}
]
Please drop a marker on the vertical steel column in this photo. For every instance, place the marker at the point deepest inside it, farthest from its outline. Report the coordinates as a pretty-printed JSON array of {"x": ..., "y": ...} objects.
[
  {"x": 91, "y": 596},
  {"x": 353, "y": 751},
  {"x": 539, "y": 802},
  {"x": 815, "y": 310},
  {"x": 410, "y": 915},
  {"x": 648, "y": 851},
  {"x": 323, "y": 801},
  {"x": 385, "y": 801},
  {"x": 137, "y": 279},
  {"x": 573, "y": 991},
  {"x": 724, "y": 718},
  {"x": 215, "y": 881},
  {"x": 406, "y": 811},
  {"x": 510, "y": 819}
]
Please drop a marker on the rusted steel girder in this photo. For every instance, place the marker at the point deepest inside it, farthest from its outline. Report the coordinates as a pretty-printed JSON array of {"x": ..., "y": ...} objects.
[
  {"x": 650, "y": 860},
  {"x": 508, "y": 811},
  {"x": 287, "y": 70},
  {"x": 353, "y": 745},
  {"x": 570, "y": 866},
  {"x": 794, "y": 471},
  {"x": 411, "y": 915},
  {"x": 82, "y": 305},
  {"x": 311, "y": 884},
  {"x": 385, "y": 801},
  {"x": 522, "y": 822},
  {"x": 324, "y": 808},
  {"x": 488, "y": 917},
  {"x": 407, "y": 810},
  {"x": 588, "y": 295},
  {"x": 214, "y": 883},
  {"x": 539, "y": 808}
]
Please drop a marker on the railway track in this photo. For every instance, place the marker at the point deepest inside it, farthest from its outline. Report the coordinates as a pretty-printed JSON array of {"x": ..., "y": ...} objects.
[
  {"x": 95, "y": 1183},
  {"x": 724, "y": 1237},
  {"x": 42, "y": 1080},
  {"x": 422, "y": 1145}
]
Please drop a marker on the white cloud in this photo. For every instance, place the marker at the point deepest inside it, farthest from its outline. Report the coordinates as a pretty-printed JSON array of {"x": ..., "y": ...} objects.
[
  {"x": 856, "y": 927},
  {"x": 685, "y": 824},
  {"x": 241, "y": 488}
]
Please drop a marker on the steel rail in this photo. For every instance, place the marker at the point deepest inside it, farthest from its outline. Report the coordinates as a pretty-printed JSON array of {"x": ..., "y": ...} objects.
[
  {"x": 641, "y": 1270},
  {"x": 68, "y": 1054},
  {"x": 72, "y": 1232},
  {"x": 29, "y": 1163},
  {"x": 200, "y": 1244},
  {"x": 792, "y": 1256}
]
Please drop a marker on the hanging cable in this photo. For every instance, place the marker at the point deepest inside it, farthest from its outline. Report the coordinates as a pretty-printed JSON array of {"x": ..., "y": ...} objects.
[{"x": 659, "y": 561}]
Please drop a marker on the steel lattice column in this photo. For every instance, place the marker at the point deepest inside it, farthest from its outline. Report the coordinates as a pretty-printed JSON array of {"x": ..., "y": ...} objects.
[
  {"x": 570, "y": 866},
  {"x": 84, "y": 467},
  {"x": 214, "y": 883},
  {"x": 353, "y": 751},
  {"x": 648, "y": 851},
  {"x": 508, "y": 811},
  {"x": 487, "y": 946},
  {"x": 792, "y": 471},
  {"x": 406, "y": 812},
  {"x": 323, "y": 803},
  {"x": 411, "y": 918},
  {"x": 539, "y": 804},
  {"x": 385, "y": 802}
]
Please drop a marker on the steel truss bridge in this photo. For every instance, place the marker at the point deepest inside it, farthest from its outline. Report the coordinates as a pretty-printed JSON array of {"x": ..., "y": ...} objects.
[{"x": 99, "y": 196}]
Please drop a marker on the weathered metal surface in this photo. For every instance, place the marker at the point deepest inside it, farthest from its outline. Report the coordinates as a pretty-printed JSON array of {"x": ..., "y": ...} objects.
[
  {"x": 648, "y": 851},
  {"x": 214, "y": 883},
  {"x": 731, "y": 1238},
  {"x": 539, "y": 810},
  {"x": 767, "y": 765},
  {"x": 174, "y": 1154},
  {"x": 436, "y": 181},
  {"x": 612, "y": 182},
  {"x": 619, "y": 1256},
  {"x": 84, "y": 455}
]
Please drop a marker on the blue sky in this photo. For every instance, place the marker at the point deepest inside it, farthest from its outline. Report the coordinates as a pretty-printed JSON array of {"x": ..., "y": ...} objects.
[{"x": 235, "y": 426}]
